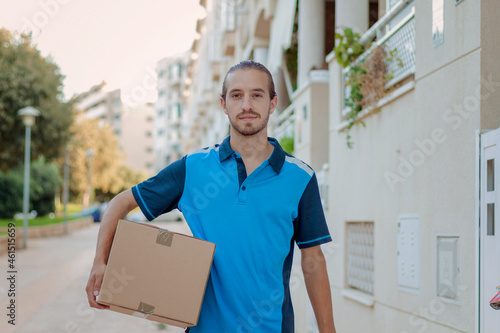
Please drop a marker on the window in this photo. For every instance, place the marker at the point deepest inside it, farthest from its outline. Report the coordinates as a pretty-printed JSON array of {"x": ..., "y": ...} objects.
[
  {"x": 175, "y": 112},
  {"x": 360, "y": 264},
  {"x": 179, "y": 111},
  {"x": 490, "y": 175},
  {"x": 175, "y": 71}
]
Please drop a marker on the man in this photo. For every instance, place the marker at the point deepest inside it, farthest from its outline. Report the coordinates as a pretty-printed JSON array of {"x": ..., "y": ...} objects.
[{"x": 253, "y": 201}]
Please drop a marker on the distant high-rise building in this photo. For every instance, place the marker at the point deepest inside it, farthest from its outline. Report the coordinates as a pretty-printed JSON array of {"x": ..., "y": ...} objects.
[
  {"x": 170, "y": 109},
  {"x": 136, "y": 137},
  {"x": 132, "y": 125},
  {"x": 102, "y": 104}
]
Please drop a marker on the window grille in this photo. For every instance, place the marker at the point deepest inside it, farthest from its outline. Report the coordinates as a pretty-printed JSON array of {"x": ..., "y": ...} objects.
[{"x": 360, "y": 264}]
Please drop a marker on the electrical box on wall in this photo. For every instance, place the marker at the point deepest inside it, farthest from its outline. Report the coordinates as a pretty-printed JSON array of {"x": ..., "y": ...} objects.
[
  {"x": 409, "y": 251},
  {"x": 448, "y": 268}
]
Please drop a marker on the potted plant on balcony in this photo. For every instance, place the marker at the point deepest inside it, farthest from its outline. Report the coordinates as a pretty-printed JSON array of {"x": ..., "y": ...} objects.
[{"x": 366, "y": 77}]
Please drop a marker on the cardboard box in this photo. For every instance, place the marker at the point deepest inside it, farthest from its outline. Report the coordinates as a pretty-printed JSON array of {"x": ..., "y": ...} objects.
[{"x": 156, "y": 274}]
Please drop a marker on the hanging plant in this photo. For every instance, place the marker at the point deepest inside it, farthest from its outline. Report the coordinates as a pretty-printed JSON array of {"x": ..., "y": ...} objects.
[
  {"x": 347, "y": 48},
  {"x": 355, "y": 99},
  {"x": 292, "y": 53},
  {"x": 366, "y": 78}
]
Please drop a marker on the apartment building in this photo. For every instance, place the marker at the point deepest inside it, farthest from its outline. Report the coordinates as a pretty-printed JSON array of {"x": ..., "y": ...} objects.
[
  {"x": 136, "y": 137},
  {"x": 410, "y": 206},
  {"x": 132, "y": 125},
  {"x": 102, "y": 104},
  {"x": 206, "y": 123},
  {"x": 170, "y": 109},
  {"x": 407, "y": 175}
]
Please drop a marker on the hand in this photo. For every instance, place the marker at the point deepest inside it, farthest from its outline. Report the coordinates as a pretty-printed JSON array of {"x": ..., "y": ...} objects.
[{"x": 94, "y": 285}]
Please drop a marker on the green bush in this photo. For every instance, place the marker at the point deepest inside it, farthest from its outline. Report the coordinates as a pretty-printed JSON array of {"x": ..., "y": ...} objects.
[
  {"x": 43, "y": 186},
  {"x": 44, "y": 180},
  {"x": 287, "y": 144},
  {"x": 11, "y": 194}
]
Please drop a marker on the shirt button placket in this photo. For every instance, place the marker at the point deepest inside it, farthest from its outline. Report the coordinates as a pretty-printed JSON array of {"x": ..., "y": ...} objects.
[{"x": 243, "y": 195}]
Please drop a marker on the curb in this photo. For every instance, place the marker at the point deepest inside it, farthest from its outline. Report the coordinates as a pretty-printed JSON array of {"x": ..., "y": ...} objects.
[{"x": 43, "y": 231}]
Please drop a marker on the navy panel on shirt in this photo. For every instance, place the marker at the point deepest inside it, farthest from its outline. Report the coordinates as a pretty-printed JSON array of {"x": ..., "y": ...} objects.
[
  {"x": 309, "y": 232},
  {"x": 253, "y": 220},
  {"x": 161, "y": 193}
]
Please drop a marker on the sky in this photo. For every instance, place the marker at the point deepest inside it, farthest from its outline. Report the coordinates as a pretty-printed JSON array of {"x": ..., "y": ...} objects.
[{"x": 116, "y": 41}]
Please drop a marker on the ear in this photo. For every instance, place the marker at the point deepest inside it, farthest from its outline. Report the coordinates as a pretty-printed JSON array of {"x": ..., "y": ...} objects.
[
  {"x": 223, "y": 104},
  {"x": 274, "y": 104}
]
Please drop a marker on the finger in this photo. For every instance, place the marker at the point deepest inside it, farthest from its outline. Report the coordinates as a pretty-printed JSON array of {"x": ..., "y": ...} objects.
[
  {"x": 94, "y": 304},
  {"x": 97, "y": 284},
  {"x": 92, "y": 294}
]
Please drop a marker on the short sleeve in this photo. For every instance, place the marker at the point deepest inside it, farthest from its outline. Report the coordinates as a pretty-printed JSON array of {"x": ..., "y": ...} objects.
[
  {"x": 310, "y": 225},
  {"x": 161, "y": 193}
]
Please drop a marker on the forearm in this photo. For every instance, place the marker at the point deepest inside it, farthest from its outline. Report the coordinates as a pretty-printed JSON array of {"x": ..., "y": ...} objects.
[
  {"x": 117, "y": 209},
  {"x": 318, "y": 289}
]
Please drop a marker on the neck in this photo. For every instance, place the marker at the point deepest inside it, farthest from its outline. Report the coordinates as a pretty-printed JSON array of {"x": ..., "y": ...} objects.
[{"x": 253, "y": 147}]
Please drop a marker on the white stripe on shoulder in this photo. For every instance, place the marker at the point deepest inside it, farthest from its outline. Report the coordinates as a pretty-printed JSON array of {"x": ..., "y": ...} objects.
[
  {"x": 205, "y": 150},
  {"x": 300, "y": 164}
]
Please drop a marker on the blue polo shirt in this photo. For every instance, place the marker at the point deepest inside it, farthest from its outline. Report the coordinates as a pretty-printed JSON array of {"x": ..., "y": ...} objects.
[{"x": 254, "y": 220}]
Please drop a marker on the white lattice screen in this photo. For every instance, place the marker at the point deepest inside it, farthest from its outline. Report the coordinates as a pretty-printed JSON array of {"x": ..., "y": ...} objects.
[{"x": 360, "y": 266}]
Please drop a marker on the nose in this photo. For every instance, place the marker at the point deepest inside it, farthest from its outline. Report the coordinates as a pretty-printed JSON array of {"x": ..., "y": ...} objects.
[{"x": 247, "y": 105}]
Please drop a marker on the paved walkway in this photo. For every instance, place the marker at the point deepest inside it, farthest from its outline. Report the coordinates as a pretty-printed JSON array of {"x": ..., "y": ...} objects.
[{"x": 51, "y": 279}]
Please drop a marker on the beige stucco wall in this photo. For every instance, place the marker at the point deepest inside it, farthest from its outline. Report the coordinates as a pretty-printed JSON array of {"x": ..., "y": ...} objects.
[
  {"x": 311, "y": 119},
  {"x": 136, "y": 140},
  {"x": 490, "y": 71},
  {"x": 440, "y": 190}
]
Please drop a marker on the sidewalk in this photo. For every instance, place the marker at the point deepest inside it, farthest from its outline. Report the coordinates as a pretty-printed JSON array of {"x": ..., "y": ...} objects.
[{"x": 50, "y": 297}]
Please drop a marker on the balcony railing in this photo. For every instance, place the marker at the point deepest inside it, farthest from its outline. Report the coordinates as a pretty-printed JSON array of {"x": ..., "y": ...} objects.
[
  {"x": 400, "y": 40},
  {"x": 283, "y": 124}
]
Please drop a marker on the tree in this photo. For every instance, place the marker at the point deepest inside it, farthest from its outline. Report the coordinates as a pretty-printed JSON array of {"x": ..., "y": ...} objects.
[
  {"x": 27, "y": 78},
  {"x": 108, "y": 174}
]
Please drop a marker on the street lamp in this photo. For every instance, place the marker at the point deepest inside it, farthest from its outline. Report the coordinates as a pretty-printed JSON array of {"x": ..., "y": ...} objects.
[
  {"x": 89, "y": 154},
  {"x": 66, "y": 188},
  {"x": 28, "y": 115}
]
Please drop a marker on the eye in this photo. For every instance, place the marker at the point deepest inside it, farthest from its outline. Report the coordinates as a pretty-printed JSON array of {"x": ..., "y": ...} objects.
[
  {"x": 236, "y": 95},
  {"x": 257, "y": 95}
]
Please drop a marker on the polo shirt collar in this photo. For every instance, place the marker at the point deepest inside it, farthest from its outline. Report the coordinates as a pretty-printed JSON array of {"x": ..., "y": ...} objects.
[{"x": 276, "y": 160}]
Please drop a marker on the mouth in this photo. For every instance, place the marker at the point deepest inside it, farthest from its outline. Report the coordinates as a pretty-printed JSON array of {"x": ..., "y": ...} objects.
[{"x": 248, "y": 117}]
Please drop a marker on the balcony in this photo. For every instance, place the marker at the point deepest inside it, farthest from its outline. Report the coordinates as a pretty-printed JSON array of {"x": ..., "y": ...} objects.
[
  {"x": 305, "y": 120},
  {"x": 400, "y": 40},
  {"x": 283, "y": 124},
  {"x": 228, "y": 42}
]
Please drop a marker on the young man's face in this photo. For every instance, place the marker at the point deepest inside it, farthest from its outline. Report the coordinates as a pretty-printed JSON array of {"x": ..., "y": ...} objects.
[{"x": 248, "y": 104}]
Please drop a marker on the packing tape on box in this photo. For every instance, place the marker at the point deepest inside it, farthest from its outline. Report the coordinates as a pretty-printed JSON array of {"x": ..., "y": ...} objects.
[
  {"x": 144, "y": 310},
  {"x": 164, "y": 237}
]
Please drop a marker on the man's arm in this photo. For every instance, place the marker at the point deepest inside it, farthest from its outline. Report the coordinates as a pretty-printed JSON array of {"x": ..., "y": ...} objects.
[
  {"x": 318, "y": 287},
  {"x": 117, "y": 209}
]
